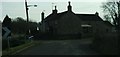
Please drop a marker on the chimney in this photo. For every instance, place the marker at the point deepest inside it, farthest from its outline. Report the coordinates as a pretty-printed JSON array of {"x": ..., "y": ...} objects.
[
  {"x": 69, "y": 6},
  {"x": 97, "y": 13},
  {"x": 42, "y": 16},
  {"x": 55, "y": 11}
]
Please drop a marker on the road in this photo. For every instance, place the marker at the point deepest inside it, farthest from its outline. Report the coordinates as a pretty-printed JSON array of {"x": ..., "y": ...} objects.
[{"x": 60, "y": 47}]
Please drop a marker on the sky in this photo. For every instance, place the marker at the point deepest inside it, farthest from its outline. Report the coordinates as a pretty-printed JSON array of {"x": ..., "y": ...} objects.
[{"x": 16, "y": 8}]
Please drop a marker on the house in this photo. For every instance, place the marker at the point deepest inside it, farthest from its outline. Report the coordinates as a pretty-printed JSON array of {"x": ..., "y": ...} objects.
[{"x": 70, "y": 23}]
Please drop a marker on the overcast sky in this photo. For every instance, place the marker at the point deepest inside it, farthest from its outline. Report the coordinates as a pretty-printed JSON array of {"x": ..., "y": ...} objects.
[{"x": 16, "y": 8}]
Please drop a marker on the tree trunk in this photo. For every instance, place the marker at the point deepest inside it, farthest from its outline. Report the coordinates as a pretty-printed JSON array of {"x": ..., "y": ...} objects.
[{"x": 119, "y": 26}]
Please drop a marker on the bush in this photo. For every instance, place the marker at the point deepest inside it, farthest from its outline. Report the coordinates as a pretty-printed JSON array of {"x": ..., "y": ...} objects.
[
  {"x": 106, "y": 43},
  {"x": 13, "y": 42},
  {"x": 4, "y": 44}
]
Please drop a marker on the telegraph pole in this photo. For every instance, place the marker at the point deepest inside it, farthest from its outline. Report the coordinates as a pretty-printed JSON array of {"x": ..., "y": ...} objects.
[
  {"x": 26, "y": 11},
  {"x": 27, "y": 18},
  {"x": 26, "y": 6}
]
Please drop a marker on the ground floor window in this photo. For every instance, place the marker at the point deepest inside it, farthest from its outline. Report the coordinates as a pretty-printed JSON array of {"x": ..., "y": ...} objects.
[{"x": 87, "y": 28}]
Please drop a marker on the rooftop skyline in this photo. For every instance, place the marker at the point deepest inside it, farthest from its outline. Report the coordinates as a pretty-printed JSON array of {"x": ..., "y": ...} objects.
[{"x": 17, "y": 9}]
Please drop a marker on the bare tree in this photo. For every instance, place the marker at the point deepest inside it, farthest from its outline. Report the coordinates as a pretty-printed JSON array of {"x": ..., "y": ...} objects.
[{"x": 112, "y": 12}]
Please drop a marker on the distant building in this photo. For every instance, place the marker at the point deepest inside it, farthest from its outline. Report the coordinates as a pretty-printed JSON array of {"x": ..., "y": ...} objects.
[{"x": 70, "y": 23}]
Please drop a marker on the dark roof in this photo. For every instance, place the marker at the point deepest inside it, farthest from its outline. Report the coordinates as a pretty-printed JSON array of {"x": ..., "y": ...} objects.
[
  {"x": 89, "y": 17},
  {"x": 84, "y": 17},
  {"x": 108, "y": 23},
  {"x": 55, "y": 16}
]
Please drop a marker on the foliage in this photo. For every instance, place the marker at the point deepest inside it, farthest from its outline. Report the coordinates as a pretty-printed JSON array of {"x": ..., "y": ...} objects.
[
  {"x": 19, "y": 25},
  {"x": 106, "y": 43},
  {"x": 111, "y": 11},
  {"x": 13, "y": 42}
]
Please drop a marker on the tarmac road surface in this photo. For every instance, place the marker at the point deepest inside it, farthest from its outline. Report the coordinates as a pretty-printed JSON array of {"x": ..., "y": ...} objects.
[{"x": 60, "y": 47}]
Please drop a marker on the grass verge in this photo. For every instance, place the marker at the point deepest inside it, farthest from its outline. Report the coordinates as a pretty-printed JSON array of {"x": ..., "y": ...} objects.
[{"x": 17, "y": 49}]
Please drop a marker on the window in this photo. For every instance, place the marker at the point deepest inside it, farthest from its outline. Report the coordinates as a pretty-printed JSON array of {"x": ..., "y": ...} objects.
[{"x": 87, "y": 29}]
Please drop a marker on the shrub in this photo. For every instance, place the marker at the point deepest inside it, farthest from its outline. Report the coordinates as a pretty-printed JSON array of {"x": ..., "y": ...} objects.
[
  {"x": 13, "y": 42},
  {"x": 4, "y": 44},
  {"x": 106, "y": 43}
]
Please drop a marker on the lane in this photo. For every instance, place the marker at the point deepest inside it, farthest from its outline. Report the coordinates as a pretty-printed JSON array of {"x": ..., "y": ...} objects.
[{"x": 60, "y": 47}]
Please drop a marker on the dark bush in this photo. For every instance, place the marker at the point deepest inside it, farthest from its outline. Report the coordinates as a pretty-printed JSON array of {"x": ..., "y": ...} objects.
[
  {"x": 13, "y": 42},
  {"x": 106, "y": 43},
  {"x": 4, "y": 44}
]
